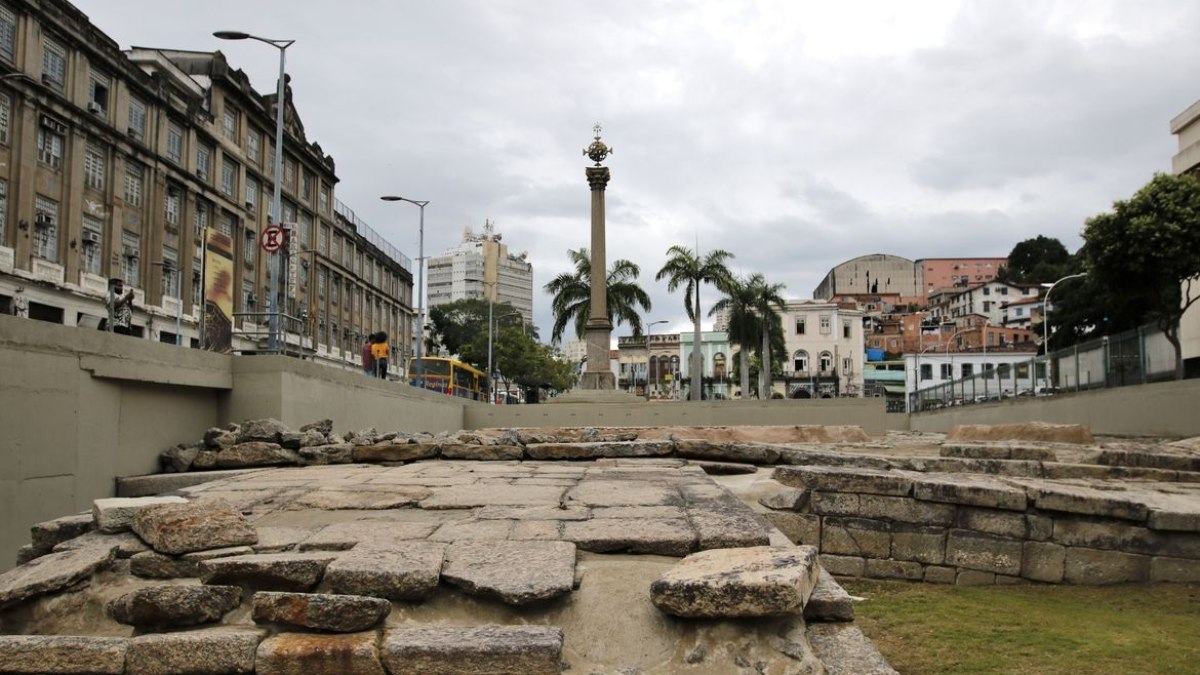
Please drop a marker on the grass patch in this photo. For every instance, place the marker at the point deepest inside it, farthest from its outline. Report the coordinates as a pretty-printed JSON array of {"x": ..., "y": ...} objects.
[{"x": 924, "y": 629}]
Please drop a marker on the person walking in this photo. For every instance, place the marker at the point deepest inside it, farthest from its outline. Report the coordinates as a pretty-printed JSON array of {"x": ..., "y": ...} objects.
[
  {"x": 379, "y": 353},
  {"x": 120, "y": 307},
  {"x": 368, "y": 361}
]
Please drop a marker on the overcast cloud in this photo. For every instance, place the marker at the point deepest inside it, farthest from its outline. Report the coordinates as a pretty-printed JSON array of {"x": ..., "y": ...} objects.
[{"x": 794, "y": 134}]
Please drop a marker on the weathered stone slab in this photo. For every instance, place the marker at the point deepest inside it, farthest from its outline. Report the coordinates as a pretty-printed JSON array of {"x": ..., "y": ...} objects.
[
  {"x": 1029, "y": 431},
  {"x": 714, "y": 468},
  {"x": 970, "y": 490},
  {"x": 268, "y": 571},
  {"x": 396, "y": 572},
  {"x": 840, "y": 479},
  {"x": 307, "y": 654},
  {"x": 1175, "y": 570},
  {"x": 828, "y": 601},
  {"x": 53, "y": 572},
  {"x": 749, "y": 453},
  {"x": 47, "y": 535},
  {"x": 159, "y": 607},
  {"x": 469, "y": 529},
  {"x": 127, "y": 543},
  {"x": 843, "y": 565},
  {"x": 856, "y": 537},
  {"x": 799, "y": 528},
  {"x": 343, "y": 536},
  {"x": 993, "y": 521},
  {"x": 1111, "y": 535},
  {"x": 158, "y": 483},
  {"x": 984, "y": 552},
  {"x": 401, "y": 451},
  {"x": 537, "y": 513},
  {"x": 256, "y": 453},
  {"x": 193, "y": 526},
  {"x": 362, "y": 498},
  {"x": 877, "y": 568},
  {"x": 115, "y": 514},
  {"x": 1172, "y": 461},
  {"x": 485, "y": 453},
  {"x": 1080, "y": 499},
  {"x": 995, "y": 467},
  {"x": 1043, "y": 561},
  {"x": 918, "y": 543},
  {"x": 320, "y": 611},
  {"x": 267, "y": 429},
  {"x": 622, "y": 493},
  {"x": 1088, "y": 566},
  {"x": 844, "y": 650},
  {"x": 998, "y": 451},
  {"x": 208, "y": 650},
  {"x": 151, "y": 565},
  {"x": 516, "y": 572},
  {"x": 62, "y": 654},
  {"x": 473, "y": 650},
  {"x": 661, "y": 537},
  {"x": 975, "y": 578},
  {"x": 279, "y": 538},
  {"x": 935, "y": 574},
  {"x": 325, "y": 454},
  {"x": 789, "y": 498},
  {"x": 730, "y": 583},
  {"x": 472, "y": 496},
  {"x": 732, "y": 526},
  {"x": 813, "y": 456},
  {"x": 596, "y": 450}
]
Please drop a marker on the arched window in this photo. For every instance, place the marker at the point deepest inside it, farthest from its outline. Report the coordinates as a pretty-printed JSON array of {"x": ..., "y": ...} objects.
[
  {"x": 675, "y": 364},
  {"x": 800, "y": 362},
  {"x": 719, "y": 365},
  {"x": 826, "y": 362}
]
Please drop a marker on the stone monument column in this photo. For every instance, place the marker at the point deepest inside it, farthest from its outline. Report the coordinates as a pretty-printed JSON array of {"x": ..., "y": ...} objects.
[{"x": 598, "y": 375}]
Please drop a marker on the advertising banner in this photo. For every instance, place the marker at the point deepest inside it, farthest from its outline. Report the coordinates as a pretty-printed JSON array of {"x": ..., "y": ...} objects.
[{"x": 218, "y": 291}]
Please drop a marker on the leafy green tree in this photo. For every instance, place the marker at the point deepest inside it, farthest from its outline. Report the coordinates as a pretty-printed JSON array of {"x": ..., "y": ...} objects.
[
  {"x": 768, "y": 304},
  {"x": 1145, "y": 254},
  {"x": 1037, "y": 260},
  {"x": 686, "y": 268},
  {"x": 743, "y": 324},
  {"x": 572, "y": 293}
]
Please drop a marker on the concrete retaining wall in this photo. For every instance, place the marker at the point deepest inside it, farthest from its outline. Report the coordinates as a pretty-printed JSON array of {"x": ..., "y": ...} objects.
[
  {"x": 1162, "y": 409},
  {"x": 868, "y": 413}
]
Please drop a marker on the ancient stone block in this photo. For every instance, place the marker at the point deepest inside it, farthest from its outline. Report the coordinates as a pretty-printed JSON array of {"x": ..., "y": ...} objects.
[
  {"x": 855, "y": 537},
  {"x": 800, "y": 528},
  {"x": 905, "y": 510},
  {"x": 1089, "y": 566},
  {"x": 936, "y": 574},
  {"x": 749, "y": 453},
  {"x": 622, "y": 493},
  {"x": 919, "y": 544},
  {"x": 843, "y": 648},
  {"x": 344, "y": 536},
  {"x": 473, "y": 650},
  {"x": 992, "y": 521},
  {"x": 408, "y": 571},
  {"x": 209, "y": 650},
  {"x": 840, "y": 479},
  {"x": 974, "y": 578},
  {"x": 362, "y": 497},
  {"x": 733, "y": 526},
  {"x": 1178, "y": 570},
  {"x": 843, "y": 566},
  {"x": 307, "y": 654},
  {"x": 1040, "y": 528},
  {"x": 127, "y": 544},
  {"x": 472, "y": 496},
  {"x": 256, "y": 453},
  {"x": 469, "y": 529},
  {"x": 516, "y": 572},
  {"x": 1029, "y": 431},
  {"x": 179, "y": 458},
  {"x": 193, "y": 526},
  {"x": 268, "y": 571},
  {"x": 985, "y": 552},
  {"x": 61, "y": 654},
  {"x": 877, "y": 568},
  {"x": 828, "y": 600},
  {"x": 335, "y": 613},
  {"x": 1089, "y": 501},
  {"x": 321, "y": 455},
  {"x": 159, "y": 607},
  {"x": 970, "y": 490},
  {"x": 395, "y": 451},
  {"x": 267, "y": 429},
  {"x": 1107, "y": 534},
  {"x": 53, "y": 572},
  {"x": 661, "y": 537},
  {"x": 151, "y": 565},
  {"x": 487, "y": 452},
  {"x": 833, "y": 503},
  {"x": 279, "y": 538},
  {"x": 790, "y": 498},
  {"x": 746, "y": 582},
  {"x": 1043, "y": 561},
  {"x": 51, "y": 533},
  {"x": 599, "y": 449},
  {"x": 115, "y": 514}
]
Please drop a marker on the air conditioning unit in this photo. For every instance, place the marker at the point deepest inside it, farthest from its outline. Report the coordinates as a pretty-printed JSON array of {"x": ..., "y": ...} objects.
[
  {"x": 95, "y": 108},
  {"x": 42, "y": 220},
  {"x": 131, "y": 252},
  {"x": 91, "y": 238},
  {"x": 53, "y": 124}
]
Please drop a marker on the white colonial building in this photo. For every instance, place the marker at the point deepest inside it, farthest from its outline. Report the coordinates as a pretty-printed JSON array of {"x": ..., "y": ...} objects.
[{"x": 825, "y": 349}]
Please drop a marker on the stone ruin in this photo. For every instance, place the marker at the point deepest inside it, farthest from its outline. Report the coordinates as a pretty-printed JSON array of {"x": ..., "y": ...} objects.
[{"x": 598, "y": 550}]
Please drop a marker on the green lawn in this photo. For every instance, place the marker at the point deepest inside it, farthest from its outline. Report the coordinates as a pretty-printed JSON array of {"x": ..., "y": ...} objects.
[{"x": 924, "y": 628}]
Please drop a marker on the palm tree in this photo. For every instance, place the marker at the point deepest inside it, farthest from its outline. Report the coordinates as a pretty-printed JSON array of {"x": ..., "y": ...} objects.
[
  {"x": 767, "y": 304},
  {"x": 743, "y": 323},
  {"x": 686, "y": 268},
  {"x": 572, "y": 294}
]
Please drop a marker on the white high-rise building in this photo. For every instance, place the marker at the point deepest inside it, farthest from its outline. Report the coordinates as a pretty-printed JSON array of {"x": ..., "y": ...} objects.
[{"x": 481, "y": 267}]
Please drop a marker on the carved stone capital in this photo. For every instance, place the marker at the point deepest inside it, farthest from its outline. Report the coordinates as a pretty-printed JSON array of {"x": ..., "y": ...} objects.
[{"x": 597, "y": 177}]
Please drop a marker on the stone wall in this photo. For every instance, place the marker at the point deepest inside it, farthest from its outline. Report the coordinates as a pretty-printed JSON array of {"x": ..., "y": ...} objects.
[{"x": 976, "y": 529}]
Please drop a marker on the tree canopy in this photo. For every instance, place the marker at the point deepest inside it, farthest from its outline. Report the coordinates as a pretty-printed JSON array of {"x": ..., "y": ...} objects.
[
  {"x": 686, "y": 268},
  {"x": 572, "y": 295},
  {"x": 1038, "y": 260},
  {"x": 1145, "y": 254}
]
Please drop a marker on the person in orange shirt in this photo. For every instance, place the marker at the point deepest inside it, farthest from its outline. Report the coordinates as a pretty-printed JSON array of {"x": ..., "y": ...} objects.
[{"x": 380, "y": 352}]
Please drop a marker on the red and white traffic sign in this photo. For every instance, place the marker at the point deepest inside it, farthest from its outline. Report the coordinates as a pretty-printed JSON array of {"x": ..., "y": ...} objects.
[{"x": 272, "y": 239}]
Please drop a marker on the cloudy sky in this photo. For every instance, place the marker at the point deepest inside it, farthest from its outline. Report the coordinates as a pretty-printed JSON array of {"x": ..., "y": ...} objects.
[{"x": 794, "y": 134}]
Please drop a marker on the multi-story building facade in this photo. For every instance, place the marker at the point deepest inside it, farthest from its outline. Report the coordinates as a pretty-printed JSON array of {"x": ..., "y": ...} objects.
[
  {"x": 938, "y": 273},
  {"x": 826, "y": 349},
  {"x": 1186, "y": 127},
  {"x": 481, "y": 267},
  {"x": 112, "y": 164},
  {"x": 899, "y": 281},
  {"x": 716, "y": 358},
  {"x": 988, "y": 298},
  {"x": 663, "y": 357}
]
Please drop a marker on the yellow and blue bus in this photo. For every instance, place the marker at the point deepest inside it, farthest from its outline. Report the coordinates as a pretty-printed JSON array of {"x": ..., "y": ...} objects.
[{"x": 448, "y": 376}]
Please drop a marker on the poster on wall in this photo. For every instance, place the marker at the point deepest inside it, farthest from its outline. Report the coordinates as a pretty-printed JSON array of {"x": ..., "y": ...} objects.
[{"x": 218, "y": 291}]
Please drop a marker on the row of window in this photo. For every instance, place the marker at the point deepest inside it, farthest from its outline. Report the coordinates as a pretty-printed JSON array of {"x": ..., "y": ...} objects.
[
  {"x": 826, "y": 326},
  {"x": 988, "y": 371}
]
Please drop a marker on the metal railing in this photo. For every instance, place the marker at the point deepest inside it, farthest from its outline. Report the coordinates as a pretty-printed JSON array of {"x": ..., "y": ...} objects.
[
  {"x": 294, "y": 339},
  {"x": 1133, "y": 357},
  {"x": 371, "y": 235}
]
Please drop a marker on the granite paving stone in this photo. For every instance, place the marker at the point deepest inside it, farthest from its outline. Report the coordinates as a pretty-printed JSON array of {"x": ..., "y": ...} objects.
[
  {"x": 159, "y": 607},
  {"x": 62, "y": 654},
  {"x": 358, "y": 497},
  {"x": 515, "y": 572},
  {"x": 406, "y": 571},
  {"x": 345, "y": 535},
  {"x": 268, "y": 571},
  {"x": 128, "y": 544},
  {"x": 674, "y": 537},
  {"x": 115, "y": 514},
  {"x": 208, "y": 650},
  {"x": 335, "y": 613},
  {"x": 47, "y": 535},
  {"x": 472, "y": 496},
  {"x": 470, "y": 529},
  {"x": 193, "y": 526},
  {"x": 732, "y": 583},
  {"x": 622, "y": 493},
  {"x": 534, "y": 513},
  {"x": 309, "y": 654},
  {"x": 473, "y": 650},
  {"x": 53, "y": 572}
]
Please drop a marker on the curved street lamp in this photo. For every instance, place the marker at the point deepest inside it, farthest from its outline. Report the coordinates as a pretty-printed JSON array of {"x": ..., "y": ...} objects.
[
  {"x": 420, "y": 268},
  {"x": 1046, "y": 323}
]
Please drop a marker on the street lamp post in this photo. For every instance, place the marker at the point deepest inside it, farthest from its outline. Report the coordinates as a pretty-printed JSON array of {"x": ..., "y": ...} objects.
[
  {"x": 168, "y": 268},
  {"x": 1046, "y": 322},
  {"x": 273, "y": 266},
  {"x": 420, "y": 268}
]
